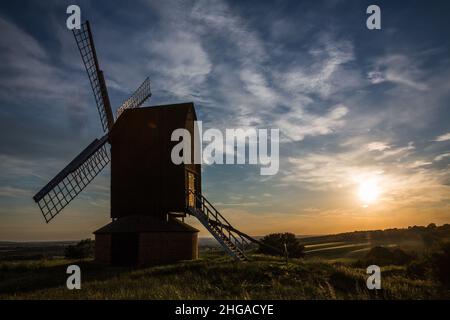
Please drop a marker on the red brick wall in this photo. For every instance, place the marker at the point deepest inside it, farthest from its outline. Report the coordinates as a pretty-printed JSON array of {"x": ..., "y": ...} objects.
[
  {"x": 103, "y": 248},
  {"x": 166, "y": 247}
]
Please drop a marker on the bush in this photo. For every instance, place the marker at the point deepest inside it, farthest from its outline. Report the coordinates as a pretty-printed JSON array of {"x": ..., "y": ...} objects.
[
  {"x": 278, "y": 241},
  {"x": 83, "y": 249}
]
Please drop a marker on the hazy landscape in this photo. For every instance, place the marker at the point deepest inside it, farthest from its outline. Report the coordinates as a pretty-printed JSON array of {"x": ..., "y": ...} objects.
[{"x": 334, "y": 267}]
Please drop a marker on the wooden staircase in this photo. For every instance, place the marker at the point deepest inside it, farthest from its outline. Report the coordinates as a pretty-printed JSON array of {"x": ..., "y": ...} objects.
[{"x": 233, "y": 241}]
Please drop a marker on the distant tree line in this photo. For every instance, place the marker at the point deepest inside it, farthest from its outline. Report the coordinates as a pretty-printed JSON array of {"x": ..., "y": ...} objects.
[{"x": 429, "y": 235}]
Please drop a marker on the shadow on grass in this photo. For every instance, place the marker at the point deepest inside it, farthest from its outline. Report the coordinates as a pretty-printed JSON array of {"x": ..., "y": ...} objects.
[
  {"x": 18, "y": 277},
  {"x": 27, "y": 276}
]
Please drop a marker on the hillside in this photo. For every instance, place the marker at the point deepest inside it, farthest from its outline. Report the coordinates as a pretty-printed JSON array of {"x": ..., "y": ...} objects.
[
  {"x": 350, "y": 246},
  {"x": 212, "y": 277},
  {"x": 333, "y": 268},
  {"x": 413, "y": 233}
]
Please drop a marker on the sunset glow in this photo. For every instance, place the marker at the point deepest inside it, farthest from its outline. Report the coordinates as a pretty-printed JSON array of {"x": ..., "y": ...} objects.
[
  {"x": 362, "y": 115},
  {"x": 368, "y": 192}
]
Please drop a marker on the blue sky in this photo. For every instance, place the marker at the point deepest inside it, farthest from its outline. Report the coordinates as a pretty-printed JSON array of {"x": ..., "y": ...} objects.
[{"x": 351, "y": 105}]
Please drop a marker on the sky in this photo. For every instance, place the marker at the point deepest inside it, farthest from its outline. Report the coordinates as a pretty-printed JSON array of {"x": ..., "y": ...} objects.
[{"x": 355, "y": 107}]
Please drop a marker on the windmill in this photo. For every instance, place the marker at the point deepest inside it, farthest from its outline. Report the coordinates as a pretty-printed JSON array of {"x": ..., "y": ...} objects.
[{"x": 148, "y": 192}]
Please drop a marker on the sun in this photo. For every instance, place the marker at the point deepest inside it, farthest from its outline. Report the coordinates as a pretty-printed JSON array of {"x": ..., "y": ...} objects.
[{"x": 368, "y": 192}]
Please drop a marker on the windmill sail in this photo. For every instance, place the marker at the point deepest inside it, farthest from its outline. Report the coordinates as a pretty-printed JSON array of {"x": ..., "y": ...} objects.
[
  {"x": 67, "y": 184},
  {"x": 137, "y": 98},
  {"x": 85, "y": 43}
]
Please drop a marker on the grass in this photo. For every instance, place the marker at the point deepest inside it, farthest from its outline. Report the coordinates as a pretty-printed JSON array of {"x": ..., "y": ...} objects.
[
  {"x": 213, "y": 277},
  {"x": 333, "y": 268}
]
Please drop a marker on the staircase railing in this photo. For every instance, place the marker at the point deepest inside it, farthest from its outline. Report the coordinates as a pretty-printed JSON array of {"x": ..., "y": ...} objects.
[{"x": 220, "y": 224}]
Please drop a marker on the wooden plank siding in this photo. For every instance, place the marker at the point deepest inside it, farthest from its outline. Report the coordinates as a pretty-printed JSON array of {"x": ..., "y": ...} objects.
[{"x": 144, "y": 180}]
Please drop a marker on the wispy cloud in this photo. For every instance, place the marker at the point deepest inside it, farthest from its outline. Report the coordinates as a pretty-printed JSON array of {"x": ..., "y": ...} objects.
[
  {"x": 442, "y": 157},
  {"x": 443, "y": 137},
  {"x": 324, "y": 73},
  {"x": 378, "y": 146},
  {"x": 28, "y": 71},
  {"x": 298, "y": 124},
  {"x": 400, "y": 69},
  {"x": 12, "y": 192}
]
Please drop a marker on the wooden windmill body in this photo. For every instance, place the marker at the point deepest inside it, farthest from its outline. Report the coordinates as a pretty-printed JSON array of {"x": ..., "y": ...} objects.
[{"x": 148, "y": 191}]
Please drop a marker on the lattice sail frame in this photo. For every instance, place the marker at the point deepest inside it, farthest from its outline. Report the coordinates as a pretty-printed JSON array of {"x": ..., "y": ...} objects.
[
  {"x": 85, "y": 43},
  {"x": 62, "y": 189},
  {"x": 137, "y": 98},
  {"x": 67, "y": 184}
]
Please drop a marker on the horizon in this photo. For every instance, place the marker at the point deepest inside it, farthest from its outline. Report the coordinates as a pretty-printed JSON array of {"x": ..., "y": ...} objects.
[
  {"x": 210, "y": 237},
  {"x": 363, "y": 114}
]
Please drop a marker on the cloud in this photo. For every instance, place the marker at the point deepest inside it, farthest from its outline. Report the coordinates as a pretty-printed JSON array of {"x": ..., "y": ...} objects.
[
  {"x": 256, "y": 84},
  {"x": 12, "y": 192},
  {"x": 29, "y": 49},
  {"x": 400, "y": 69},
  {"x": 442, "y": 156},
  {"x": 41, "y": 103},
  {"x": 234, "y": 84},
  {"x": 216, "y": 16},
  {"x": 181, "y": 61},
  {"x": 323, "y": 75},
  {"x": 419, "y": 163},
  {"x": 378, "y": 146},
  {"x": 298, "y": 125},
  {"x": 443, "y": 137},
  {"x": 23, "y": 58},
  {"x": 398, "y": 152},
  {"x": 405, "y": 184}
]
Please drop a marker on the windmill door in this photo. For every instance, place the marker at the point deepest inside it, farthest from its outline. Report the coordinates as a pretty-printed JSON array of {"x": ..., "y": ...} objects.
[
  {"x": 124, "y": 249},
  {"x": 192, "y": 187}
]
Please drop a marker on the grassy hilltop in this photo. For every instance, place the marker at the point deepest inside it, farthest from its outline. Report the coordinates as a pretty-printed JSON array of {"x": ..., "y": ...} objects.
[
  {"x": 334, "y": 268},
  {"x": 212, "y": 277}
]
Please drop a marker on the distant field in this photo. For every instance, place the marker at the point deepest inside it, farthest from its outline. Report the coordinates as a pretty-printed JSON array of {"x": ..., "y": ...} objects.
[
  {"x": 343, "y": 250},
  {"x": 32, "y": 250},
  {"x": 325, "y": 250},
  {"x": 353, "y": 246}
]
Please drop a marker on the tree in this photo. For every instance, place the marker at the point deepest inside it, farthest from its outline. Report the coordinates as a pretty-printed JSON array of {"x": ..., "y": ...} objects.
[
  {"x": 278, "y": 241},
  {"x": 83, "y": 249}
]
